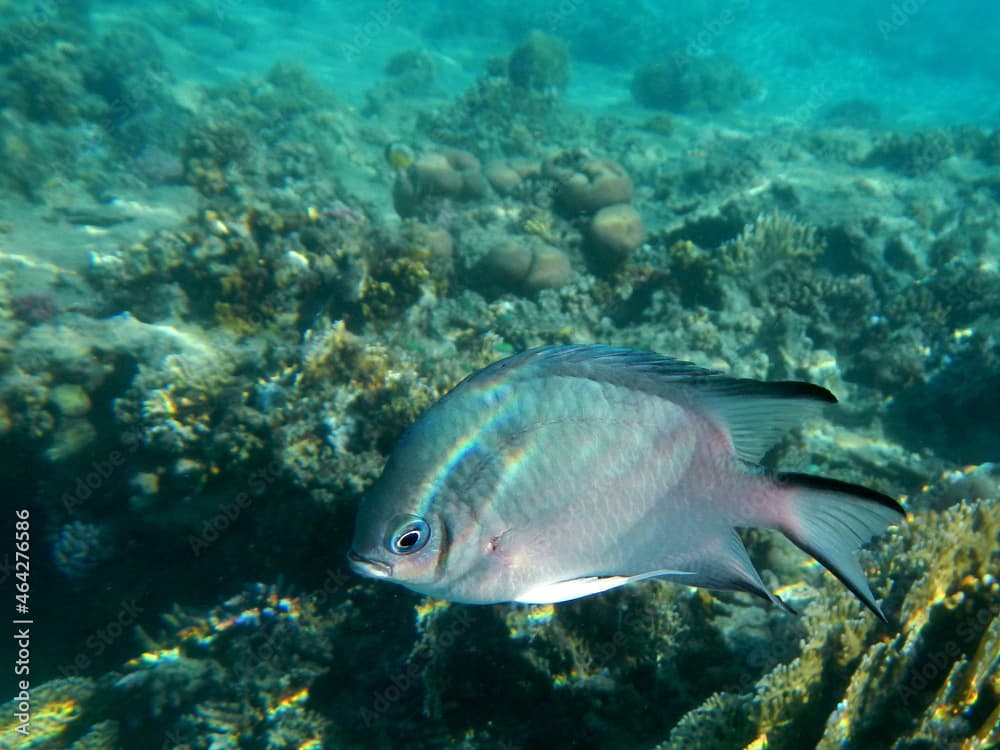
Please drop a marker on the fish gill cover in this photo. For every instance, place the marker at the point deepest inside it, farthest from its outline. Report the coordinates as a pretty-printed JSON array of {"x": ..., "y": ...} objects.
[{"x": 244, "y": 245}]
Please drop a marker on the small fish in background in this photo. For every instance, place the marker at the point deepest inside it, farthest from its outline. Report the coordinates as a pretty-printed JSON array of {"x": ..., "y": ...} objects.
[
  {"x": 566, "y": 471},
  {"x": 399, "y": 156}
]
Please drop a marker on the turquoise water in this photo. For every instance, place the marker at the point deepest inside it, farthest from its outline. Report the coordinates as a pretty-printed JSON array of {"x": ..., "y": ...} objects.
[{"x": 243, "y": 246}]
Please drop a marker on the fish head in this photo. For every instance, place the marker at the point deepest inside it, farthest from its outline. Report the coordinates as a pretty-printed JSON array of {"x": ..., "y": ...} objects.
[
  {"x": 428, "y": 519},
  {"x": 400, "y": 534},
  {"x": 403, "y": 548},
  {"x": 422, "y": 534},
  {"x": 446, "y": 555}
]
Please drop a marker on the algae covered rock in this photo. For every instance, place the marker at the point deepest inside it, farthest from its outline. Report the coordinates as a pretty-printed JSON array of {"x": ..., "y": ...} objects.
[{"x": 912, "y": 155}]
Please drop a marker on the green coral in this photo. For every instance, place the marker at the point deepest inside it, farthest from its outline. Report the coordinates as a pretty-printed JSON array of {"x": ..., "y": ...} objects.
[
  {"x": 773, "y": 248},
  {"x": 413, "y": 70},
  {"x": 48, "y": 87},
  {"x": 540, "y": 64},
  {"x": 912, "y": 155},
  {"x": 682, "y": 83}
]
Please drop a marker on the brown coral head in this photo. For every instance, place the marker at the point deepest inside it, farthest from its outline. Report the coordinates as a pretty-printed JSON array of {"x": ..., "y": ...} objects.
[
  {"x": 586, "y": 184},
  {"x": 615, "y": 231}
]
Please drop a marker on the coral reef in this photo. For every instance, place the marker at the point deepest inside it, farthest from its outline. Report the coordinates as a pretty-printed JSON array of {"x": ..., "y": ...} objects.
[
  {"x": 412, "y": 70},
  {"x": 273, "y": 647},
  {"x": 207, "y": 397},
  {"x": 526, "y": 265},
  {"x": 57, "y": 719},
  {"x": 260, "y": 133},
  {"x": 34, "y": 307},
  {"x": 507, "y": 175},
  {"x": 79, "y": 101},
  {"x": 514, "y": 107}
]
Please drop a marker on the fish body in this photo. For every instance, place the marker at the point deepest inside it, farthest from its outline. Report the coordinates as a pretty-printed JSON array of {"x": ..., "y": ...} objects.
[{"x": 565, "y": 471}]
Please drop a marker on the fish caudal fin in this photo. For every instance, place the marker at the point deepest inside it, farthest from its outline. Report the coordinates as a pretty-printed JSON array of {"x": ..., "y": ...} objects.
[{"x": 830, "y": 520}]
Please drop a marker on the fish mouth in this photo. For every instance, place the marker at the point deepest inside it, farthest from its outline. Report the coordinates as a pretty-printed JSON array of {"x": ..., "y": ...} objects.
[{"x": 368, "y": 567}]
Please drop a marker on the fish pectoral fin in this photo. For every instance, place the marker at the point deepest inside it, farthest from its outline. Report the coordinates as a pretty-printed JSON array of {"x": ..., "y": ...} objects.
[{"x": 577, "y": 588}]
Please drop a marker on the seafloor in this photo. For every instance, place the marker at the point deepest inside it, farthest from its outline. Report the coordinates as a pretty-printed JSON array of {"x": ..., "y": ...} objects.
[{"x": 221, "y": 304}]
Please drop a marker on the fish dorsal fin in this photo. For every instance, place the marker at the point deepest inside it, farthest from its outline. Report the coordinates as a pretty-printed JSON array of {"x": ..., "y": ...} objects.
[
  {"x": 577, "y": 588},
  {"x": 756, "y": 414}
]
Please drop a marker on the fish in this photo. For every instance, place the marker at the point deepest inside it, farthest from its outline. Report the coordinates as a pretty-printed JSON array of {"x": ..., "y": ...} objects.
[
  {"x": 399, "y": 155},
  {"x": 565, "y": 471}
]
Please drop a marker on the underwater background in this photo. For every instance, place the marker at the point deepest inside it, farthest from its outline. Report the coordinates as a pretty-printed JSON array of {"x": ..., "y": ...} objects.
[{"x": 244, "y": 244}]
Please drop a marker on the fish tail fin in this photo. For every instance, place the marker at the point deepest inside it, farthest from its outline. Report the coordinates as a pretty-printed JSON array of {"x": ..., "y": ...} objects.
[{"x": 830, "y": 520}]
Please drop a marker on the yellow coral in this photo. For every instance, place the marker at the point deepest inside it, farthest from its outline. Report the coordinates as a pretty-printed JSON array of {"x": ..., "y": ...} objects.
[
  {"x": 54, "y": 706},
  {"x": 539, "y": 223},
  {"x": 770, "y": 240}
]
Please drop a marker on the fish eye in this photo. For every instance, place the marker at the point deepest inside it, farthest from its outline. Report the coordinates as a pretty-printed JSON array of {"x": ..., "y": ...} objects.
[{"x": 411, "y": 534}]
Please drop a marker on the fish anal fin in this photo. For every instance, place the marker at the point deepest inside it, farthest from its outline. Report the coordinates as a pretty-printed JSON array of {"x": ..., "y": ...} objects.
[
  {"x": 724, "y": 565},
  {"x": 577, "y": 588}
]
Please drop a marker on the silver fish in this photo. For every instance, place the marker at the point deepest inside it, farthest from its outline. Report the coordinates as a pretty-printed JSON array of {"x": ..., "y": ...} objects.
[{"x": 565, "y": 471}]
